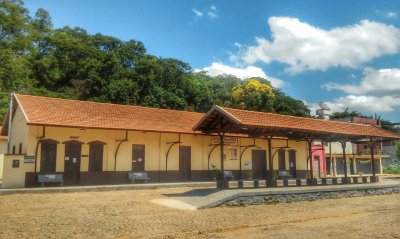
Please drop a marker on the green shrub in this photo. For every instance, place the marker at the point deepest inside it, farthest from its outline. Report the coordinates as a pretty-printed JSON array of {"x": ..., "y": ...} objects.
[{"x": 392, "y": 169}]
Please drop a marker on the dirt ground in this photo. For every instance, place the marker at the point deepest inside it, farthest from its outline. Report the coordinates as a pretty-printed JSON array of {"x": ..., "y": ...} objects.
[{"x": 131, "y": 214}]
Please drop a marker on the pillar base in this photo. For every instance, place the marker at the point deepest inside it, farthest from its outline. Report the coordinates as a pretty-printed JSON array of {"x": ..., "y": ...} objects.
[
  {"x": 312, "y": 182},
  {"x": 374, "y": 179},
  {"x": 324, "y": 181},
  {"x": 298, "y": 182},
  {"x": 222, "y": 184},
  {"x": 364, "y": 179},
  {"x": 346, "y": 180},
  {"x": 334, "y": 181},
  {"x": 355, "y": 180},
  {"x": 286, "y": 183},
  {"x": 273, "y": 183}
]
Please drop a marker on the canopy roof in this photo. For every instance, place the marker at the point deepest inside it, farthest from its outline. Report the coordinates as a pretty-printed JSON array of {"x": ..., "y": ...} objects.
[{"x": 259, "y": 124}]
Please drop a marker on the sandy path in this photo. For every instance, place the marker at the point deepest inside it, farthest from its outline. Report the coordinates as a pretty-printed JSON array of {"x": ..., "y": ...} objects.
[{"x": 130, "y": 214}]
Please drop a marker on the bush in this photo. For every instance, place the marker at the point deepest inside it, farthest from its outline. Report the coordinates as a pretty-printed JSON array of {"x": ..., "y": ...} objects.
[{"x": 392, "y": 169}]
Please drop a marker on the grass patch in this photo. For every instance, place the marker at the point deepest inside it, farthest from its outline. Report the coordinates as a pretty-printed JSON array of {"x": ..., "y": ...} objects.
[{"x": 392, "y": 169}]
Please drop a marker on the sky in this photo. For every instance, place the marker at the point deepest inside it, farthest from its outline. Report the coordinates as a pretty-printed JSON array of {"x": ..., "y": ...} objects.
[{"x": 345, "y": 53}]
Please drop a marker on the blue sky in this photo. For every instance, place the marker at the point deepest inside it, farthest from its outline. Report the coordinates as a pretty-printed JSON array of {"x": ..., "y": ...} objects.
[{"x": 344, "y": 53}]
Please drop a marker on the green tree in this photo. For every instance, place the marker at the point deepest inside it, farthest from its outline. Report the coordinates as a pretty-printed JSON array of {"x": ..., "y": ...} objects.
[
  {"x": 254, "y": 95},
  {"x": 287, "y": 105},
  {"x": 345, "y": 114},
  {"x": 69, "y": 62}
]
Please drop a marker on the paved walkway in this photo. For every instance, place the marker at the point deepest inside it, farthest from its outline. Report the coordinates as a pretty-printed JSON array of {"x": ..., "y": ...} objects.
[
  {"x": 209, "y": 197},
  {"x": 108, "y": 187}
]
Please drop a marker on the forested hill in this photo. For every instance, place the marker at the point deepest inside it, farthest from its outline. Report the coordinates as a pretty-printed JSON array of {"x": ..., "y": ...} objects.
[{"x": 36, "y": 58}]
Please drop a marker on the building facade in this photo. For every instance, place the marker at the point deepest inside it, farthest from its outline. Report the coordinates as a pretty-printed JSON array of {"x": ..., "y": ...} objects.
[{"x": 94, "y": 143}]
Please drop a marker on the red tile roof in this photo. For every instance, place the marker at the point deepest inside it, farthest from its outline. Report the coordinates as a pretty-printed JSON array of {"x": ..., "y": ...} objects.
[
  {"x": 253, "y": 118},
  {"x": 84, "y": 114}
]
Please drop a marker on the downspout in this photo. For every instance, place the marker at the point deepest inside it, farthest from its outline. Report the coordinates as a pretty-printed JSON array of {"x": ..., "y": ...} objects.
[
  {"x": 241, "y": 155},
  {"x": 10, "y": 113},
  {"x": 169, "y": 149},
  {"x": 38, "y": 143},
  {"x": 116, "y": 151},
  {"x": 280, "y": 148},
  {"x": 209, "y": 155}
]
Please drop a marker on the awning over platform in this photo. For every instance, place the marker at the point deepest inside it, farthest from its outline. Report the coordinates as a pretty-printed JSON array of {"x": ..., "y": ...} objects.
[{"x": 259, "y": 124}]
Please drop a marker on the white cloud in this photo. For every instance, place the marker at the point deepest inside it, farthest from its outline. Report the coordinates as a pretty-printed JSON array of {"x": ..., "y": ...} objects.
[
  {"x": 375, "y": 82},
  {"x": 365, "y": 104},
  {"x": 378, "y": 92},
  {"x": 243, "y": 73},
  {"x": 212, "y": 15},
  {"x": 391, "y": 14},
  {"x": 212, "y": 12},
  {"x": 306, "y": 47},
  {"x": 197, "y": 13}
]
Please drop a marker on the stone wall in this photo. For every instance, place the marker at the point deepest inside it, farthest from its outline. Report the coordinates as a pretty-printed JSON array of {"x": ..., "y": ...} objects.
[{"x": 308, "y": 196}]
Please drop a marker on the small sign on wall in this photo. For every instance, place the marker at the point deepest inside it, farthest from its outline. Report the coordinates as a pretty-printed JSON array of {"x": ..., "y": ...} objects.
[
  {"x": 228, "y": 141},
  {"x": 15, "y": 163},
  {"x": 29, "y": 159}
]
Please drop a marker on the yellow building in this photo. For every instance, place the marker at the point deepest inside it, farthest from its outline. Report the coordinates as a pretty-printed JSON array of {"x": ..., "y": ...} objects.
[
  {"x": 96, "y": 143},
  {"x": 3, "y": 149}
]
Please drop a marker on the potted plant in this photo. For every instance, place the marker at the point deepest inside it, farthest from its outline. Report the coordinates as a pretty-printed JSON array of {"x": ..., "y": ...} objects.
[
  {"x": 248, "y": 173},
  {"x": 215, "y": 172},
  {"x": 274, "y": 175}
]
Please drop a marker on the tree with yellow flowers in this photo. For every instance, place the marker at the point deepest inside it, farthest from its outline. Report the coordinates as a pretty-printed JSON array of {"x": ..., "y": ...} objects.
[{"x": 254, "y": 95}]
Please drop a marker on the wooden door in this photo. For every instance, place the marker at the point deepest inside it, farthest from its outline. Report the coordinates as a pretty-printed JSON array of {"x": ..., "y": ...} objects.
[
  {"x": 316, "y": 167},
  {"x": 48, "y": 157},
  {"x": 282, "y": 160},
  {"x": 138, "y": 157},
  {"x": 340, "y": 166},
  {"x": 72, "y": 162},
  {"x": 185, "y": 162},
  {"x": 292, "y": 163},
  {"x": 259, "y": 163},
  {"x": 96, "y": 157}
]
